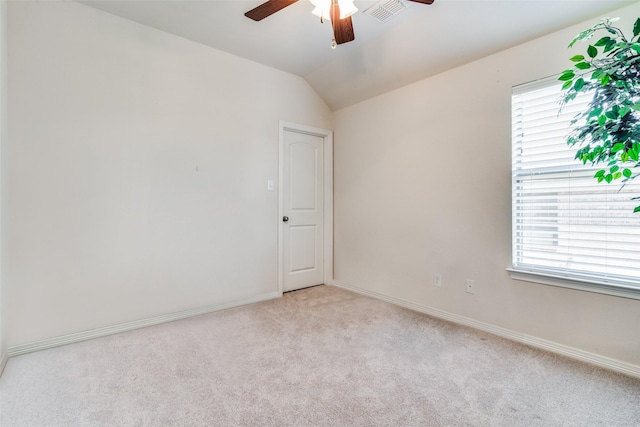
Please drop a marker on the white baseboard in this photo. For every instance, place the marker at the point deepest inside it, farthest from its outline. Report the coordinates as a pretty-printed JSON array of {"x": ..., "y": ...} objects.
[
  {"x": 574, "y": 353},
  {"x": 136, "y": 324},
  {"x": 3, "y": 361}
]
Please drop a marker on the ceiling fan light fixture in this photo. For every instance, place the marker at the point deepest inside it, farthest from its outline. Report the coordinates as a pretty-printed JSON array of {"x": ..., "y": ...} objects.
[
  {"x": 320, "y": 12},
  {"x": 323, "y": 8},
  {"x": 347, "y": 8}
]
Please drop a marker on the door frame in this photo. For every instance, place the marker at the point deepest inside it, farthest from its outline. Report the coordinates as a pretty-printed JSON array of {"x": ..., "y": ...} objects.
[{"x": 327, "y": 137}]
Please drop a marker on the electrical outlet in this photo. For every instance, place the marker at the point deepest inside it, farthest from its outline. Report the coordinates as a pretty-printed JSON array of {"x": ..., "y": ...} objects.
[
  {"x": 437, "y": 280},
  {"x": 471, "y": 286}
]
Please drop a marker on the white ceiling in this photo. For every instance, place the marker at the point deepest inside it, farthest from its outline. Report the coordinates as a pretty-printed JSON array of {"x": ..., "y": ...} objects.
[{"x": 421, "y": 41}]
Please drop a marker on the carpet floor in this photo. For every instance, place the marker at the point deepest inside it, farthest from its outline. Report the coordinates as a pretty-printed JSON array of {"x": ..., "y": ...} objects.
[{"x": 321, "y": 356}]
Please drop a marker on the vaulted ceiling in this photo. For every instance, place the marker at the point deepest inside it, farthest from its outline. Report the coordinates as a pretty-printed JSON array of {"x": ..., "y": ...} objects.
[{"x": 417, "y": 42}]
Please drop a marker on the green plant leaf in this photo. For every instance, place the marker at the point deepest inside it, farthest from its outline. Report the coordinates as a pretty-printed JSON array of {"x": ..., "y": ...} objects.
[
  {"x": 567, "y": 84},
  {"x": 599, "y": 173},
  {"x": 624, "y": 111},
  {"x": 579, "y": 84},
  {"x": 592, "y": 51},
  {"x": 637, "y": 209},
  {"x": 608, "y": 178},
  {"x": 624, "y": 157},
  {"x": 636, "y": 27},
  {"x": 595, "y": 112},
  {"x": 633, "y": 153},
  {"x": 617, "y": 147},
  {"x": 635, "y": 47},
  {"x": 602, "y": 120},
  {"x": 627, "y": 173},
  {"x": 577, "y": 58},
  {"x": 567, "y": 75},
  {"x": 610, "y": 45},
  {"x": 603, "y": 41},
  {"x": 636, "y": 106},
  {"x": 617, "y": 175},
  {"x": 584, "y": 35},
  {"x": 583, "y": 65},
  {"x": 614, "y": 169}
]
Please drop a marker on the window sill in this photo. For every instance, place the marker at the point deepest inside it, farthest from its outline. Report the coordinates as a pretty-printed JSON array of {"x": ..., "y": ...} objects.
[{"x": 581, "y": 285}]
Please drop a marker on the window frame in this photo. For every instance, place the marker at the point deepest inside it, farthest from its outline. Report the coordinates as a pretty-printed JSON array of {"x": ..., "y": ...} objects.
[{"x": 557, "y": 277}]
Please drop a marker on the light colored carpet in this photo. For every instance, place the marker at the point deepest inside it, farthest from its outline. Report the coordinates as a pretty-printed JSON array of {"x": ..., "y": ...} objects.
[{"x": 320, "y": 356}]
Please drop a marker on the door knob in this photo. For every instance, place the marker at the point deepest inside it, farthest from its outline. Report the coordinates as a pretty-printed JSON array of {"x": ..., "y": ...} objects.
[{"x": 285, "y": 218}]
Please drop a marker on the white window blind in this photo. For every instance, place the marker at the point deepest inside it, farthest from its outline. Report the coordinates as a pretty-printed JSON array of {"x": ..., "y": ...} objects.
[{"x": 565, "y": 223}]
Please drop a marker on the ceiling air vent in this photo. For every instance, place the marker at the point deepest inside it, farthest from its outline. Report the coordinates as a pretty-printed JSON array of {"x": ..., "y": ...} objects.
[{"x": 386, "y": 9}]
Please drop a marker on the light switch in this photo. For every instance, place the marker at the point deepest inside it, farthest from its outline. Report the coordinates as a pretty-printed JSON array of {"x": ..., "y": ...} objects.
[{"x": 270, "y": 185}]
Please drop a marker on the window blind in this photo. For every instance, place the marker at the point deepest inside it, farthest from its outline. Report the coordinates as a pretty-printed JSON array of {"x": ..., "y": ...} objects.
[{"x": 565, "y": 223}]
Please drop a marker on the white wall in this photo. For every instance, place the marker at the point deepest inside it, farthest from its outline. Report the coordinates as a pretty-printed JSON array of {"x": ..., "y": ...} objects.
[
  {"x": 139, "y": 164},
  {"x": 423, "y": 186},
  {"x": 3, "y": 139}
]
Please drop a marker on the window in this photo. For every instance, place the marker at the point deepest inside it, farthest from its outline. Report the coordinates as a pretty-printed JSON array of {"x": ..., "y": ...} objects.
[{"x": 568, "y": 229}]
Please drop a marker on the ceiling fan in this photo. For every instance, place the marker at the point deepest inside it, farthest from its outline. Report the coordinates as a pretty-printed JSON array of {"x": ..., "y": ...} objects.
[{"x": 325, "y": 9}]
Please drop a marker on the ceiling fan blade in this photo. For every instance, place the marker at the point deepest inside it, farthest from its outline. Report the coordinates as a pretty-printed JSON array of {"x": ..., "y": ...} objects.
[
  {"x": 342, "y": 28},
  {"x": 268, "y": 8},
  {"x": 423, "y": 1}
]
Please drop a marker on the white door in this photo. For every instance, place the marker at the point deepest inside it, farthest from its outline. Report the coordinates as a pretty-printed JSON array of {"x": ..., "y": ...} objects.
[{"x": 303, "y": 210}]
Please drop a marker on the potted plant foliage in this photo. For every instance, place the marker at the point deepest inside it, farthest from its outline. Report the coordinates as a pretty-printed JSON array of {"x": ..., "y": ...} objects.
[{"x": 608, "y": 131}]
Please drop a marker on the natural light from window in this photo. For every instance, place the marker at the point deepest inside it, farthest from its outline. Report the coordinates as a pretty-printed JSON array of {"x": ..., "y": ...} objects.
[{"x": 566, "y": 224}]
